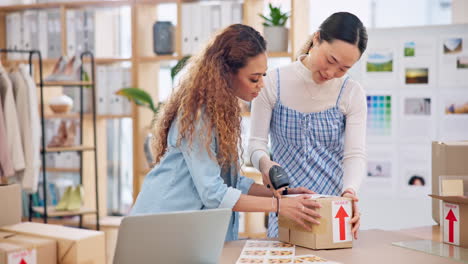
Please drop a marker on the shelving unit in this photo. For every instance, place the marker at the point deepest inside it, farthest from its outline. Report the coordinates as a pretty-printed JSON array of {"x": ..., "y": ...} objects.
[{"x": 49, "y": 211}]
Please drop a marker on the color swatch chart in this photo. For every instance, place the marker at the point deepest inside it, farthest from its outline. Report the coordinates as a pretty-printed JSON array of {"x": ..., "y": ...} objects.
[{"x": 379, "y": 115}]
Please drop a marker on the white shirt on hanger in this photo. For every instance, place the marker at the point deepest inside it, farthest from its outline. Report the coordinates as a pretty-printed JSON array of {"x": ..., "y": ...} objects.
[{"x": 14, "y": 142}]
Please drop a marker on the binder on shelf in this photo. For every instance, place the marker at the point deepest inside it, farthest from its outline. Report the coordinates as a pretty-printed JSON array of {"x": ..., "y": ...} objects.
[
  {"x": 79, "y": 31},
  {"x": 126, "y": 82},
  {"x": 101, "y": 96},
  {"x": 205, "y": 23},
  {"x": 226, "y": 13},
  {"x": 236, "y": 13},
  {"x": 71, "y": 32},
  {"x": 215, "y": 18},
  {"x": 105, "y": 25},
  {"x": 196, "y": 28},
  {"x": 54, "y": 34},
  {"x": 42, "y": 32},
  {"x": 186, "y": 18},
  {"x": 27, "y": 23},
  {"x": 14, "y": 34},
  {"x": 88, "y": 30}
]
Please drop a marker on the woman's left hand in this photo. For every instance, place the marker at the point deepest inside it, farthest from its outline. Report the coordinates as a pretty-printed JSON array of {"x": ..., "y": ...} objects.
[
  {"x": 356, "y": 220},
  {"x": 300, "y": 190}
]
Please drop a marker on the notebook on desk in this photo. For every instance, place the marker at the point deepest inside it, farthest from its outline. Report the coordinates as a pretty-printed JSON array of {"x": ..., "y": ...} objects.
[{"x": 176, "y": 237}]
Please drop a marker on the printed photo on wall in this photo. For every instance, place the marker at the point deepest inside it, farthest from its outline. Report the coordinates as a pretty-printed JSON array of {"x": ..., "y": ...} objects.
[
  {"x": 453, "y": 45},
  {"x": 379, "y": 169},
  {"x": 417, "y": 106},
  {"x": 416, "y": 75},
  {"x": 380, "y": 61},
  {"x": 462, "y": 62},
  {"x": 379, "y": 115},
  {"x": 416, "y": 180},
  {"x": 410, "y": 49},
  {"x": 456, "y": 107}
]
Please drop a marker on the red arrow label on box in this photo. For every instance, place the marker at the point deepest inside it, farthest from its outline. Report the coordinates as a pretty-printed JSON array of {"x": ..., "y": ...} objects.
[
  {"x": 451, "y": 218},
  {"x": 341, "y": 214}
]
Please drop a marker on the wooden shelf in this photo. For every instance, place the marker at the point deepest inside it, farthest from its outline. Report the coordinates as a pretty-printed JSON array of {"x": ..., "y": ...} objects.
[
  {"x": 85, "y": 115},
  {"x": 279, "y": 54},
  {"x": 53, "y": 61},
  {"x": 103, "y": 3},
  {"x": 35, "y": 60},
  {"x": 51, "y": 212},
  {"x": 109, "y": 60},
  {"x": 245, "y": 114},
  {"x": 68, "y": 149},
  {"x": 66, "y": 83},
  {"x": 160, "y": 58},
  {"x": 65, "y": 170}
]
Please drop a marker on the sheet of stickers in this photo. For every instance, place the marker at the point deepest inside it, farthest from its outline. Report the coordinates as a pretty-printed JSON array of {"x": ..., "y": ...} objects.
[{"x": 260, "y": 251}]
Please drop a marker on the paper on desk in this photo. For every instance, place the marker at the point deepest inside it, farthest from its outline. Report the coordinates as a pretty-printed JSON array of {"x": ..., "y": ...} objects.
[
  {"x": 257, "y": 251},
  {"x": 308, "y": 259}
]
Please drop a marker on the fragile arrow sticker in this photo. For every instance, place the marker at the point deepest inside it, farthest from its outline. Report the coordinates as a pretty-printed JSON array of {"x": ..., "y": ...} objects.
[
  {"x": 23, "y": 257},
  {"x": 341, "y": 215},
  {"x": 451, "y": 223}
]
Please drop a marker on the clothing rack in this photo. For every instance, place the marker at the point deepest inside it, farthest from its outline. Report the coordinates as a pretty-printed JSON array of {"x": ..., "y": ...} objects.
[{"x": 45, "y": 212}]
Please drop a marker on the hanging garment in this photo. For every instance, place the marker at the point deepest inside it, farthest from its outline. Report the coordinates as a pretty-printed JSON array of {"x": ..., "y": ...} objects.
[
  {"x": 6, "y": 166},
  {"x": 309, "y": 145},
  {"x": 13, "y": 135},
  {"x": 35, "y": 123},
  {"x": 21, "y": 93}
]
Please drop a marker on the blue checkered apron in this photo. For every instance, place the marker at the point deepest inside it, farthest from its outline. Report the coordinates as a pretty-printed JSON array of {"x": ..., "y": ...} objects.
[{"x": 309, "y": 146}]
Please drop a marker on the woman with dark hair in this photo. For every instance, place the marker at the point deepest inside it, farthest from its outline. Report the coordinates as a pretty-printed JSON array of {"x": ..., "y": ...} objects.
[
  {"x": 416, "y": 180},
  {"x": 316, "y": 116},
  {"x": 197, "y": 135}
]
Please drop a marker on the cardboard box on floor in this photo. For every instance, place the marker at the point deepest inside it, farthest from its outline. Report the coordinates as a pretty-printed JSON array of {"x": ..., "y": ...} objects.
[
  {"x": 10, "y": 204},
  {"x": 455, "y": 219},
  {"x": 334, "y": 230},
  {"x": 448, "y": 158},
  {"x": 74, "y": 246},
  {"x": 14, "y": 248}
]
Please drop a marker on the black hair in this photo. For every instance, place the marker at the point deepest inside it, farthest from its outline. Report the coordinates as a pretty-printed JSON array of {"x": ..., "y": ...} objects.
[
  {"x": 415, "y": 178},
  {"x": 342, "y": 26}
]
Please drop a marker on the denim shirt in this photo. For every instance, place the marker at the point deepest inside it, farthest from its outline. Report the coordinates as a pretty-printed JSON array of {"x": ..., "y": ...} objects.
[{"x": 187, "y": 178}]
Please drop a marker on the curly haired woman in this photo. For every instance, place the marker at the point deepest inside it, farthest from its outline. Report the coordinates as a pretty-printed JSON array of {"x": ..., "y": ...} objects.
[{"x": 198, "y": 134}]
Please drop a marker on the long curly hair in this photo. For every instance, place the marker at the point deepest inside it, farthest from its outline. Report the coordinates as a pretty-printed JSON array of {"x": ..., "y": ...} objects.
[{"x": 206, "y": 94}]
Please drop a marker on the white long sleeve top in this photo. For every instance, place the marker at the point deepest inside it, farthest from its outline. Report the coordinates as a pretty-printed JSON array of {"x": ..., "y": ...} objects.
[{"x": 299, "y": 92}]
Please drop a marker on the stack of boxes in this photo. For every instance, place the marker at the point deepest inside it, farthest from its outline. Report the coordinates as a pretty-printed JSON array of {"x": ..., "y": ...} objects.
[
  {"x": 43, "y": 243},
  {"x": 449, "y": 188}
]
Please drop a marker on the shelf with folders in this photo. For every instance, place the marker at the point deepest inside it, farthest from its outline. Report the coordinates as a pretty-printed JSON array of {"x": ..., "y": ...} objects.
[{"x": 47, "y": 210}]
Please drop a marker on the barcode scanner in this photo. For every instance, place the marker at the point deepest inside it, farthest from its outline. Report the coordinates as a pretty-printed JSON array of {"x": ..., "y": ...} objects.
[{"x": 279, "y": 178}]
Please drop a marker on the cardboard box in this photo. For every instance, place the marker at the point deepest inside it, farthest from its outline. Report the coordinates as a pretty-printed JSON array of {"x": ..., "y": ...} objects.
[
  {"x": 11, "y": 253},
  {"x": 10, "y": 204},
  {"x": 448, "y": 158},
  {"x": 34, "y": 249},
  {"x": 334, "y": 230},
  {"x": 452, "y": 187},
  {"x": 74, "y": 246},
  {"x": 454, "y": 226}
]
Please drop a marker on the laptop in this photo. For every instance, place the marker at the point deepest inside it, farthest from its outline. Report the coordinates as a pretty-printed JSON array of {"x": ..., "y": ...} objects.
[{"x": 175, "y": 237}]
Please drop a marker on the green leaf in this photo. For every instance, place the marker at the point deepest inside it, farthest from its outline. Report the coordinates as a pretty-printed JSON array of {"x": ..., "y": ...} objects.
[
  {"x": 275, "y": 17},
  {"x": 179, "y": 66},
  {"x": 138, "y": 96}
]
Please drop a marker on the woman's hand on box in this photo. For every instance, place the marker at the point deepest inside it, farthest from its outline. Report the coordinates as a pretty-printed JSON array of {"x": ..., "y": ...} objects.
[
  {"x": 300, "y": 209},
  {"x": 300, "y": 190},
  {"x": 356, "y": 220}
]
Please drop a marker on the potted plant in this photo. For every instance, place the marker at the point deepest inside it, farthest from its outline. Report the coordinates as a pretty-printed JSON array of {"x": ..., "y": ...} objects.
[{"x": 275, "y": 32}]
